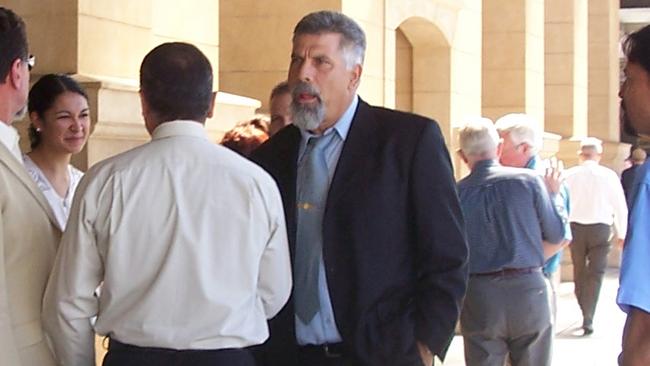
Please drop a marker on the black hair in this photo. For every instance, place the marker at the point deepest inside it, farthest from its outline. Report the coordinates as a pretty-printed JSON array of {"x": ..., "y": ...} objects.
[
  {"x": 281, "y": 88},
  {"x": 43, "y": 95},
  {"x": 176, "y": 82},
  {"x": 637, "y": 47},
  {"x": 13, "y": 41}
]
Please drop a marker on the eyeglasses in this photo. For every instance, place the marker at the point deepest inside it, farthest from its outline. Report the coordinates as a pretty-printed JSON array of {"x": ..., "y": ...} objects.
[{"x": 31, "y": 62}]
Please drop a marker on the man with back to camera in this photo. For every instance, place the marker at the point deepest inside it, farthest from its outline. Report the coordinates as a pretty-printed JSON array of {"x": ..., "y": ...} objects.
[
  {"x": 522, "y": 141},
  {"x": 187, "y": 237},
  {"x": 597, "y": 202},
  {"x": 280, "y": 107},
  {"x": 375, "y": 229},
  {"x": 512, "y": 226},
  {"x": 29, "y": 235},
  {"x": 634, "y": 292}
]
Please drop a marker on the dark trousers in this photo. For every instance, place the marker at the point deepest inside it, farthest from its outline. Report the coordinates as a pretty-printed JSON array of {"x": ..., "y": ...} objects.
[
  {"x": 589, "y": 249},
  {"x": 507, "y": 315},
  {"x": 317, "y": 356},
  {"x": 120, "y": 354}
]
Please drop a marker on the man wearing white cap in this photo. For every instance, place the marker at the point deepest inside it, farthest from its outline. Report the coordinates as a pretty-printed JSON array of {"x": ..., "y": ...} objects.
[{"x": 597, "y": 202}]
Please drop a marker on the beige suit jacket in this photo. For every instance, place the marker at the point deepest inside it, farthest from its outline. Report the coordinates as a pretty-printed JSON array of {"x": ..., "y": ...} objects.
[{"x": 29, "y": 238}]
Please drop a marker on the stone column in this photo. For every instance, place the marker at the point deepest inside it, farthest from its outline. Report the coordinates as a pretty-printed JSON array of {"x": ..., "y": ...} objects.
[
  {"x": 513, "y": 58},
  {"x": 603, "y": 70},
  {"x": 101, "y": 44},
  {"x": 566, "y": 67}
]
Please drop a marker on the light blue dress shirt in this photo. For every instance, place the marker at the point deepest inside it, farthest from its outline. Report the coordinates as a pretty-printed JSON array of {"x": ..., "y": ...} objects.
[
  {"x": 322, "y": 328},
  {"x": 635, "y": 266}
]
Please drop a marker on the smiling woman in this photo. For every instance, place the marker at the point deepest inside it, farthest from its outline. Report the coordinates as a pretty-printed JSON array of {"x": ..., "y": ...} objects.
[{"x": 60, "y": 123}]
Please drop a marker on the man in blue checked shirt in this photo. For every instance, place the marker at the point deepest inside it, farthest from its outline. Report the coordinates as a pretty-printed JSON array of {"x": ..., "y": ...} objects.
[{"x": 512, "y": 226}]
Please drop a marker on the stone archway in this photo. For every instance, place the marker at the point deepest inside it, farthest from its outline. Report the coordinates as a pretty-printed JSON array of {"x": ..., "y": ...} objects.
[{"x": 423, "y": 71}]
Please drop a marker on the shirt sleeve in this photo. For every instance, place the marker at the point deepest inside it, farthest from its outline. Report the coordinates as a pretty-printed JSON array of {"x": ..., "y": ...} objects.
[
  {"x": 635, "y": 271},
  {"x": 274, "y": 282},
  {"x": 69, "y": 301}
]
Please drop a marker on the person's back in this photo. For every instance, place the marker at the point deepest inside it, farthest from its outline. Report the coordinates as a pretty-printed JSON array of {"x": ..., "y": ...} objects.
[
  {"x": 508, "y": 214},
  {"x": 187, "y": 238},
  {"x": 209, "y": 214},
  {"x": 508, "y": 199},
  {"x": 592, "y": 198}
]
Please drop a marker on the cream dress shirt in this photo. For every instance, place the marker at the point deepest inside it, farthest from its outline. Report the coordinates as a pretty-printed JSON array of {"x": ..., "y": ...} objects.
[
  {"x": 596, "y": 196},
  {"x": 189, "y": 240}
]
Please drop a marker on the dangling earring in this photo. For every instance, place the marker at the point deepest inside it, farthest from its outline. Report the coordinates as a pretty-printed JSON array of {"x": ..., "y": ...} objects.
[{"x": 38, "y": 129}]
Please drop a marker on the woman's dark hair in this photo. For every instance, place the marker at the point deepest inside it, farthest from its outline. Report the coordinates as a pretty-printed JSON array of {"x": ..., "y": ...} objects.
[{"x": 43, "y": 95}]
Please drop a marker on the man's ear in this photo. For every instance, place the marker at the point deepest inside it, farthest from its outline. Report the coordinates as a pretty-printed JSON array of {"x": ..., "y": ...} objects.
[
  {"x": 143, "y": 105},
  {"x": 14, "y": 75},
  {"x": 500, "y": 148},
  {"x": 355, "y": 77},
  {"x": 212, "y": 104},
  {"x": 462, "y": 156}
]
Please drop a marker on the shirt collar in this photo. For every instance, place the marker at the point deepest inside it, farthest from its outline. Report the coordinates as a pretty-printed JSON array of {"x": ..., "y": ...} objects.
[
  {"x": 534, "y": 162},
  {"x": 484, "y": 164},
  {"x": 179, "y": 128},
  {"x": 342, "y": 126}
]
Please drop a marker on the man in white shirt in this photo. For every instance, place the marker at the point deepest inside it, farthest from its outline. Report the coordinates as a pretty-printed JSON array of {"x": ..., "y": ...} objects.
[
  {"x": 188, "y": 238},
  {"x": 597, "y": 202},
  {"x": 28, "y": 233}
]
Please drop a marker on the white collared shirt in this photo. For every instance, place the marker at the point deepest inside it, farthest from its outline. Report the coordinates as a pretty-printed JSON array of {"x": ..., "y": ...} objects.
[
  {"x": 9, "y": 138},
  {"x": 60, "y": 205},
  {"x": 596, "y": 196},
  {"x": 189, "y": 240}
]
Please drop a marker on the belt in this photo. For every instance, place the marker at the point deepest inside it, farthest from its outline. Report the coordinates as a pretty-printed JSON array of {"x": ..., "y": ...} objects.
[
  {"x": 509, "y": 272},
  {"x": 328, "y": 350}
]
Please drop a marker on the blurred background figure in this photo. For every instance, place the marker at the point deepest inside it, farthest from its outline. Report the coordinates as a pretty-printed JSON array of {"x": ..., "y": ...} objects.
[
  {"x": 637, "y": 158},
  {"x": 247, "y": 136},
  {"x": 60, "y": 125},
  {"x": 597, "y": 202},
  {"x": 280, "y": 107}
]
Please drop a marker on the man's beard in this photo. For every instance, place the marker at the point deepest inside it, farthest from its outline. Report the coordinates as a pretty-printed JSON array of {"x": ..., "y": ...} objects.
[
  {"x": 305, "y": 116},
  {"x": 626, "y": 123}
]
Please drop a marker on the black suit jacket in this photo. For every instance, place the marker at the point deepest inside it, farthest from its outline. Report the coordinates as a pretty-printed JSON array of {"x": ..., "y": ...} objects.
[{"x": 393, "y": 238}]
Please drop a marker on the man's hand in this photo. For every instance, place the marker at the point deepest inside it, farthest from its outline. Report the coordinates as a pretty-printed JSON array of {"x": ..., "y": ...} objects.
[
  {"x": 553, "y": 175},
  {"x": 425, "y": 354}
]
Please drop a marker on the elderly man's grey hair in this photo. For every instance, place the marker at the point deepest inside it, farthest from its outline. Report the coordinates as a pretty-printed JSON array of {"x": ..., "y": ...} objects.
[
  {"x": 522, "y": 129},
  {"x": 478, "y": 137},
  {"x": 353, "y": 39}
]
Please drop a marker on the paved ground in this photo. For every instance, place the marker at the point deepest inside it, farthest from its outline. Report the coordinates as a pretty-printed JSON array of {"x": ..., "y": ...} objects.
[{"x": 599, "y": 349}]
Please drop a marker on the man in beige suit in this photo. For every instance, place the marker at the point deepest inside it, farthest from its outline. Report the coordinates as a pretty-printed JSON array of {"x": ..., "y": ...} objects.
[{"x": 28, "y": 235}]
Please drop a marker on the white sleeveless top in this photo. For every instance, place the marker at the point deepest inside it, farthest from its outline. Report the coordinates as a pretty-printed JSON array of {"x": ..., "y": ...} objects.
[{"x": 60, "y": 206}]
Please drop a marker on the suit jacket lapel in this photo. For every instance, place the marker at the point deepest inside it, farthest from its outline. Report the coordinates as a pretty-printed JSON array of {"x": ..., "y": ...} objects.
[
  {"x": 287, "y": 174},
  {"x": 359, "y": 144},
  {"x": 18, "y": 170}
]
